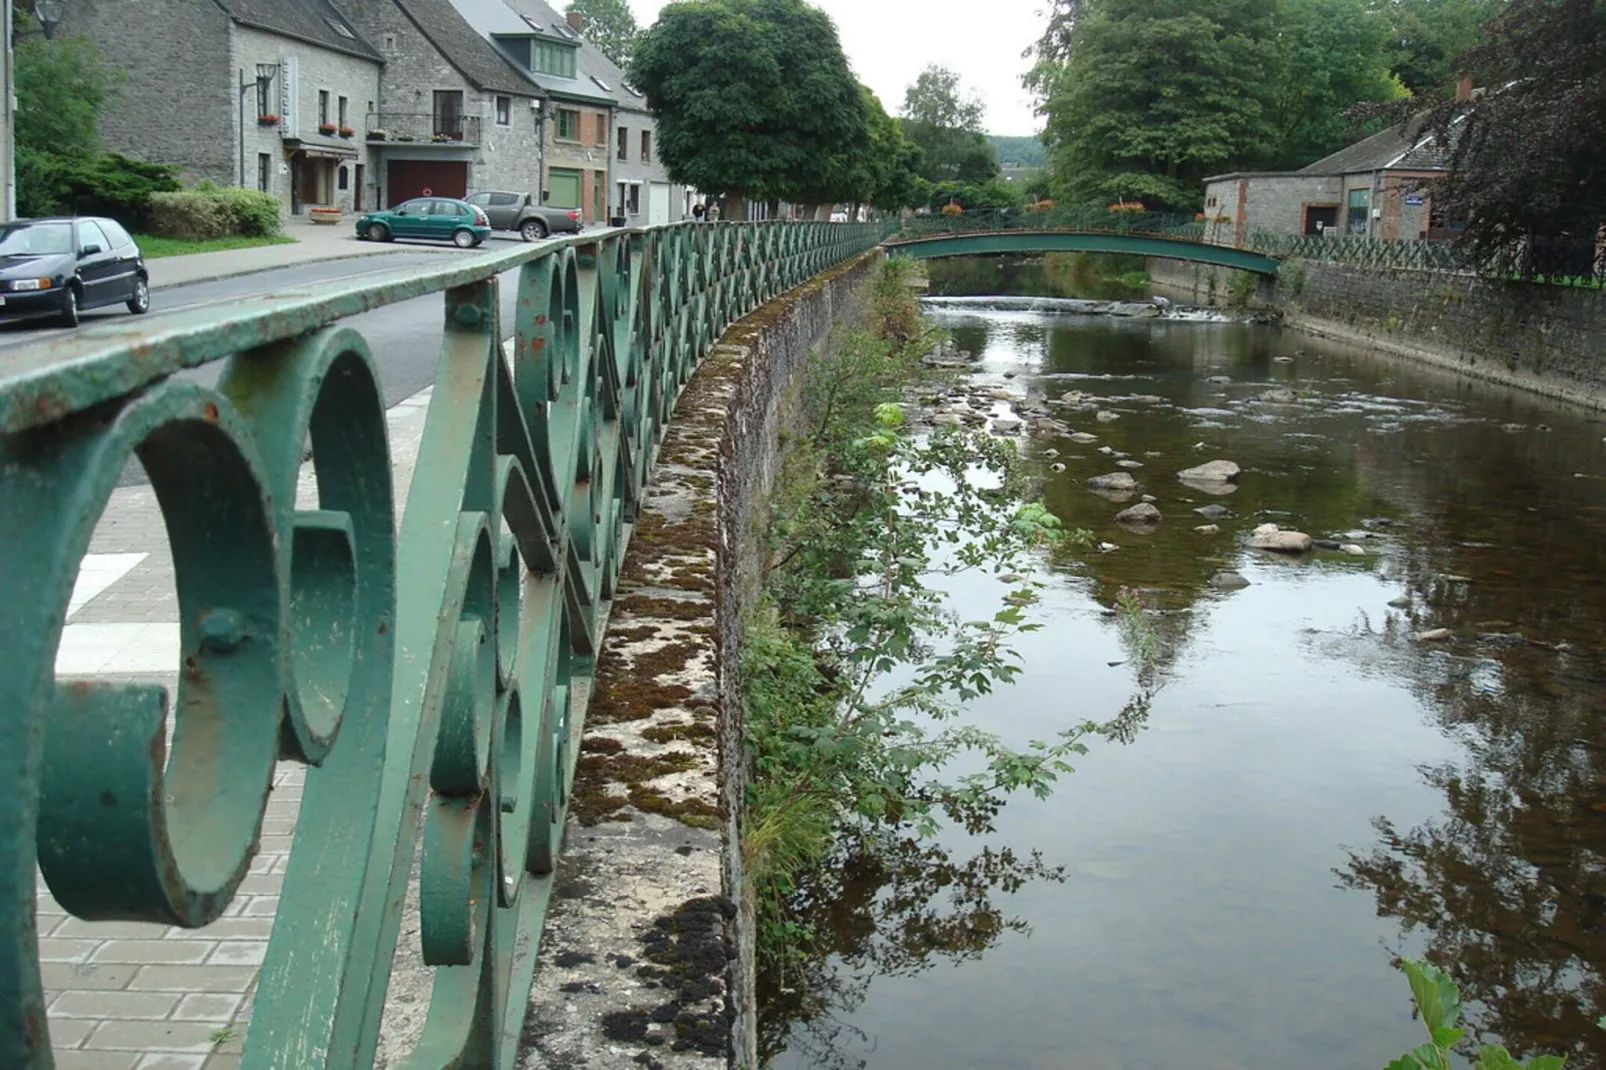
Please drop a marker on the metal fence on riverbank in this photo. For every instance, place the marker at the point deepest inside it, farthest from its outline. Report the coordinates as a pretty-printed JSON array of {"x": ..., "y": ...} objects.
[{"x": 425, "y": 678}]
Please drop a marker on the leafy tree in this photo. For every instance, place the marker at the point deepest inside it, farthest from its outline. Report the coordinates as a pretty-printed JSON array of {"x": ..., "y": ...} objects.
[
  {"x": 945, "y": 121},
  {"x": 1157, "y": 94},
  {"x": 61, "y": 87},
  {"x": 608, "y": 24},
  {"x": 1528, "y": 157},
  {"x": 753, "y": 98},
  {"x": 1333, "y": 55},
  {"x": 1026, "y": 151},
  {"x": 1427, "y": 36}
]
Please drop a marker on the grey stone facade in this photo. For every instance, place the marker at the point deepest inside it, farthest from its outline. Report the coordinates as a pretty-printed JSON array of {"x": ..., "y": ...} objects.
[
  {"x": 501, "y": 157},
  {"x": 175, "y": 51},
  {"x": 306, "y": 167}
]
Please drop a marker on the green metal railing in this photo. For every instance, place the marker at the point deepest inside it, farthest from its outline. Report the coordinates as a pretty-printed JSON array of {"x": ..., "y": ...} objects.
[
  {"x": 426, "y": 678},
  {"x": 1091, "y": 219}
]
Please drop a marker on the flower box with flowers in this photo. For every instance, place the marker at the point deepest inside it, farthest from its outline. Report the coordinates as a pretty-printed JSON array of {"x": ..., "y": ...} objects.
[
  {"x": 327, "y": 129},
  {"x": 346, "y": 131},
  {"x": 268, "y": 119},
  {"x": 324, "y": 214}
]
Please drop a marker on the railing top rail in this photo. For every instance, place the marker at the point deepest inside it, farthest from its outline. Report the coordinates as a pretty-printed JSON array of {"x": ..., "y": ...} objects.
[{"x": 42, "y": 383}]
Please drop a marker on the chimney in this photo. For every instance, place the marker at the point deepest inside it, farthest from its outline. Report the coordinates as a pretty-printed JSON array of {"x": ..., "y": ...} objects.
[
  {"x": 1463, "y": 88},
  {"x": 574, "y": 22}
]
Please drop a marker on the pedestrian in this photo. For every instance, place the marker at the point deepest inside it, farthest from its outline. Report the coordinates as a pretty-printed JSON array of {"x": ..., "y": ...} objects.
[
  {"x": 713, "y": 213},
  {"x": 697, "y": 212}
]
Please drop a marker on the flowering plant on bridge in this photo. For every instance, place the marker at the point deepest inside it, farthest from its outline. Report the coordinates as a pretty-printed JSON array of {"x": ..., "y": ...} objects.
[
  {"x": 1134, "y": 207},
  {"x": 953, "y": 208}
]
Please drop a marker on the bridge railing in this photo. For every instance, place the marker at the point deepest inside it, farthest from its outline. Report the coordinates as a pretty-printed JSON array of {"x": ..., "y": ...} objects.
[
  {"x": 1568, "y": 262},
  {"x": 426, "y": 678},
  {"x": 1083, "y": 218}
]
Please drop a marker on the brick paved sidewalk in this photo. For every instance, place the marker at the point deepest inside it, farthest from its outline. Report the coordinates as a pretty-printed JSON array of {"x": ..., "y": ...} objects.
[{"x": 125, "y": 996}]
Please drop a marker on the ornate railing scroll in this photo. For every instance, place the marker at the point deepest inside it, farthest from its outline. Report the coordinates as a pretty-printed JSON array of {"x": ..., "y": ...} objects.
[{"x": 425, "y": 678}]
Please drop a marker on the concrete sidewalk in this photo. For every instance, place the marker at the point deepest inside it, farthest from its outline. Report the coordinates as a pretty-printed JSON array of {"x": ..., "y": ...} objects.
[{"x": 313, "y": 243}]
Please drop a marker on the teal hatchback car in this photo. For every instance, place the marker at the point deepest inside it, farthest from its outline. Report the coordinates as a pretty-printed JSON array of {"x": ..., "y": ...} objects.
[{"x": 437, "y": 218}]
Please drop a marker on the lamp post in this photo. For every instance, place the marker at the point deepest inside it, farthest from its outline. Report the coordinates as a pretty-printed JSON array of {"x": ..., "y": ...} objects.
[
  {"x": 264, "y": 78},
  {"x": 49, "y": 13}
]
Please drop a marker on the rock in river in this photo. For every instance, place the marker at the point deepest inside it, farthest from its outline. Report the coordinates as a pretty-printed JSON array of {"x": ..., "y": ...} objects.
[
  {"x": 947, "y": 419},
  {"x": 1006, "y": 425},
  {"x": 1211, "y": 472},
  {"x": 1105, "y": 416},
  {"x": 1280, "y": 396},
  {"x": 1214, "y": 512},
  {"x": 1129, "y": 463},
  {"x": 1141, "y": 513},
  {"x": 1083, "y": 437},
  {"x": 1208, "y": 529},
  {"x": 1433, "y": 635},
  {"x": 1283, "y": 542},
  {"x": 1113, "y": 481},
  {"x": 1228, "y": 581}
]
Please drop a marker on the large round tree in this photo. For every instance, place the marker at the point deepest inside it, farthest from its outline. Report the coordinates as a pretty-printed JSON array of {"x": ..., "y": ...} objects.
[{"x": 754, "y": 98}]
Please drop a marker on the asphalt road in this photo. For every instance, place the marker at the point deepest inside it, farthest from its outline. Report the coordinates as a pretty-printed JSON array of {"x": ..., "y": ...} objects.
[{"x": 405, "y": 337}]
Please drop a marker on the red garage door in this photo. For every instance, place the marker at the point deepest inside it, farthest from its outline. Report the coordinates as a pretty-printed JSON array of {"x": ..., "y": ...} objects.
[{"x": 406, "y": 179}]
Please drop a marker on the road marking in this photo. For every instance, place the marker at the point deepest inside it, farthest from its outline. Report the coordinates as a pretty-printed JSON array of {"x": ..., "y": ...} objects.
[
  {"x": 118, "y": 649},
  {"x": 98, "y": 572}
]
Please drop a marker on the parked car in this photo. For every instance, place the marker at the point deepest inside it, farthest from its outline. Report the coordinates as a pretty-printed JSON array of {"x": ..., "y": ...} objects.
[
  {"x": 519, "y": 212},
  {"x": 60, "y": 267},
  {"x": 440, "y": 218}
]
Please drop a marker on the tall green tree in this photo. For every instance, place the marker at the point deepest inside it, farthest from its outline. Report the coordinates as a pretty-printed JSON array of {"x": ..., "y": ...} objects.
[
  {"x": 945, "y": 120},
  {"x": 1153, "y": 95},
  {"x": 608, "y": 24},
  {"x": 1427, "y": 37},
  {"x": 754, "y": 98},
  {"x": 1331, "y": 56}
]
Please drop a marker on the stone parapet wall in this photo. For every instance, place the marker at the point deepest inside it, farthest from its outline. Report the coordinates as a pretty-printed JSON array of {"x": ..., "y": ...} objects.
[
  {"x": 1547, "y": 339},
  {"x": 648, "y": 957}
]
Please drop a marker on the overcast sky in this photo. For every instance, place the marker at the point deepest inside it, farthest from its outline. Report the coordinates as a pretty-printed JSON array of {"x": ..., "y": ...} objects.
[{"x": 889, "y": 41}]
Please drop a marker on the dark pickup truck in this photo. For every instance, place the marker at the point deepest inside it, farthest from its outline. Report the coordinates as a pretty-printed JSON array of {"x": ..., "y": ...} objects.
[{"x": 519, "y": 212}]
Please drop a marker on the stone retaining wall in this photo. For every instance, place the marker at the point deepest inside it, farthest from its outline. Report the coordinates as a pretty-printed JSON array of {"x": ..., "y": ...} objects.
[
  {"x": 648, "y": 957},
  {"x": 1547, "y": 339}
]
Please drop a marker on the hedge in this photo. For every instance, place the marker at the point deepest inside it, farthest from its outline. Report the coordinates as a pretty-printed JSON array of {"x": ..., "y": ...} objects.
[
  {"x": 213, "y": 211},
  {"x": 104, "y": 184}
]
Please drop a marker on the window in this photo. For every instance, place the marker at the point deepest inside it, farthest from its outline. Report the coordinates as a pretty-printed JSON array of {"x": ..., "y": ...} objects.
[
  {"x": 389, "y": 44},
  {"x": 646, "y": 146},
  {"x": 551, "y": 57},
  {"x": 323, "y": 107},
  {"x": 504, "y": 200},
  {"x": 1360, "y": 200},
  {"x": 568, "y": 125},
  {"x": 117, "y": 234},
  {"x": 344, "y": 107},
  {"x": 341, "y": 28},
  {"x": 264, "y": 96},
  {"x": 449, "y": 112},
  {"x": 89, "y": 234},
  {"x": 264, "y": 172},
  {"x": 624, "y": 143},
  {"x": 621, "y": 195},
  {"x": 602, "y": 129},
  {"x": 604, "y": 86},
  {"x": 344, "y": 181},
  {"x": 633, "y": 198},
  {"x": 504, "y": 111}
]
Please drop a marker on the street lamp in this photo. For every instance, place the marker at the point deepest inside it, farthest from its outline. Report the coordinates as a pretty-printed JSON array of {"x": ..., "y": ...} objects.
[
  {"x": 264, "y": 78},
  {"x": 49, "y": 13}
]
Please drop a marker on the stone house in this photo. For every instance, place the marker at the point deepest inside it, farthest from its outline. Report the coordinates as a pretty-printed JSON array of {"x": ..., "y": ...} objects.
[
  {"x": 453, "y": 115},
  {"x": 638, "y": 190},
  {"x": 273, "y": 92},
  {"x": 1370, "y": 189}
]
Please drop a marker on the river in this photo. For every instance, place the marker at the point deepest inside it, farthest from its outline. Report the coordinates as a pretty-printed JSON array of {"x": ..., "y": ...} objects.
[{"x": 1300, "y": 790}]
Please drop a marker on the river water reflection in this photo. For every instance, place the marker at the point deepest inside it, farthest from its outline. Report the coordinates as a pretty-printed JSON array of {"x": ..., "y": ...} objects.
[{"x": 1308, "y": 791}]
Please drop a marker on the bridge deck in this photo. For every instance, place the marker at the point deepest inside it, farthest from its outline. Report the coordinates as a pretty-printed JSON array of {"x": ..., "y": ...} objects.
[{"x": 995, "y": 242}]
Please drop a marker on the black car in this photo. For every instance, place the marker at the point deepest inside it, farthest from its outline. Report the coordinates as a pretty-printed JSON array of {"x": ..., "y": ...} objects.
[{"x": 60, "y": 267}]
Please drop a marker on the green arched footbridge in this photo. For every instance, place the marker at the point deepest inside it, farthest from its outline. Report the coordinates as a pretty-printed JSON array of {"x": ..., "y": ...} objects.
[{"x": 995, "y": 242}]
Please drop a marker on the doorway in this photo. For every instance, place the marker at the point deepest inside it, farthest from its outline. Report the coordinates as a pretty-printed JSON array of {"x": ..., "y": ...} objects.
[
  {"x": 1320, "y": 217},
  {"x": 357, "y": 183}
]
